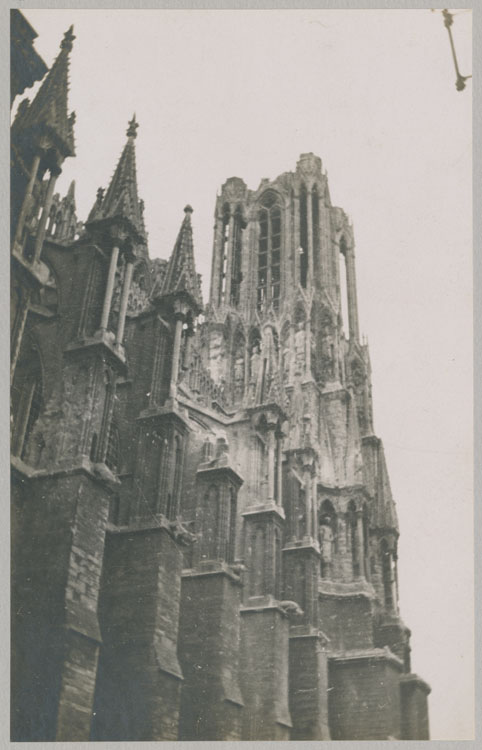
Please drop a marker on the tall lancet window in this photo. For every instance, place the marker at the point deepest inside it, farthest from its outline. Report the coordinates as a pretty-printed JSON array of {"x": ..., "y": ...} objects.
[
  {"x": 343, "y": 285},
  {"x": 224, "y": 252},
  {"x": 315, "y": 218},
  {"x": 236, "y": 273},
  {"x": 269, "y": 252},
  {"x": 303, "y": 250}
]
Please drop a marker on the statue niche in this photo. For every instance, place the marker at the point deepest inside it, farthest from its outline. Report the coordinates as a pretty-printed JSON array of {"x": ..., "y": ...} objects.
[
  {"x": 238, "y": 368},
  {"x": 327, "y": 536}
]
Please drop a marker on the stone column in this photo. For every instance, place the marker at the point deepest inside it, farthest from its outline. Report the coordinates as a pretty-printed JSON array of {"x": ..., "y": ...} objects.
[
  {"x": 109, "y": 289},
  {"x": 308, "y": 500},
  {"x": 351, "y": 294},
  {"x": 39, "y": 239},
  {"x": 176, "y": 352},
  {"x": 271, "y": 450},
  {"x": 279, "y": 450},
  {"x": 123, "y": 302},
  {"x": 27, "y": 198}
]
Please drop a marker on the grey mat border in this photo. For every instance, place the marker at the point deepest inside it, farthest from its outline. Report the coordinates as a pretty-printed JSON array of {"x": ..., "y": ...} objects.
[{"x": 4, "y": 343}]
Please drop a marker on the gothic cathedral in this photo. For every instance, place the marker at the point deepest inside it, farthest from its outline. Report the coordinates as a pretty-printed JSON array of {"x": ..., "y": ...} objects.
[{"x": 204, "y": 540}]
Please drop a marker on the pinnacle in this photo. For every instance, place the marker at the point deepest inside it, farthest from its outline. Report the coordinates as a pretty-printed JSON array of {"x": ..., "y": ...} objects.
[
  {"x": 67, "y": 41},
  {"x": 120, "y": 200},
  {"x": 181, "y": 273},
  {"x": 71, "y": 190},
  {"x": 133, "y": 125},
  {"x": 49, "y": 108}
]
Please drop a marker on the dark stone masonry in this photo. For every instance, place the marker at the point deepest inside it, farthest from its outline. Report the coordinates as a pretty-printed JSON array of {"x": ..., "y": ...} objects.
[{"x": 204, "y": 540}]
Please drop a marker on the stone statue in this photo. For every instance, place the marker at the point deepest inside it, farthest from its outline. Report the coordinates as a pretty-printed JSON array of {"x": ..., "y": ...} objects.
[
  {"x": 326, "y": 538},
  {"x": 300, "y": 347},
  {"x": 238, "y": 378}
]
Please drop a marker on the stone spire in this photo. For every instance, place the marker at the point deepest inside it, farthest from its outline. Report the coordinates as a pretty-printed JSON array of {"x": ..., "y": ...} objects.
[
  {"x": 181, "y": 273},
  {"x": 71, "y": 192},
  {"x": 48, "y": 112},
  {"x": 120, "y": 201}
]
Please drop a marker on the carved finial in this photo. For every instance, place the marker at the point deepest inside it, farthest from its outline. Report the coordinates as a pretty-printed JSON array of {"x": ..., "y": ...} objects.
[
  {"x": 67, "y": 41},
  {"x": 188, "y": 209},
  {"x": 133, "y": 125},
  {"x": 100, "y": 194}
]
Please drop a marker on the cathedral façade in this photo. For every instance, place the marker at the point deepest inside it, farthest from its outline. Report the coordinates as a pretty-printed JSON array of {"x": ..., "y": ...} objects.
[{"x": 204, "y": 540}]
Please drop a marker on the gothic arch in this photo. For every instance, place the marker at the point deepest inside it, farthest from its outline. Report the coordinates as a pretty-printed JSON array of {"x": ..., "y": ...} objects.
[
  {"x": 303, "y": 237},
  {"x": 270, "y": 242},
  {"x": 239, "y": 224}
]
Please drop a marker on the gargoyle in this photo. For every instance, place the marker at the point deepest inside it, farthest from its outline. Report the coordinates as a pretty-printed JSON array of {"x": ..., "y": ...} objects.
[
  {"x": 291, "y": 608},
  {"x": 181, "y": 534}
]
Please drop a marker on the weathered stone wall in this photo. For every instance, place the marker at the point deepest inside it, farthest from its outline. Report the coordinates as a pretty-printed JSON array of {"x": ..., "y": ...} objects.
[
  {"x": 138, "y": 690},
  {"x": 209, "y": 642},
  {"x": 58, "y": 528},
  {"x": 264, "y": 672},
  {"x": 364, "y": 696}
]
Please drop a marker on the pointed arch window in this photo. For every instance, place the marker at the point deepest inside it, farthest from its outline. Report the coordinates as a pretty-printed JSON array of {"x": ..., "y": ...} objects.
[
  {"x": 269, "y": 252},
  {"x": 236, "y": 266},
  {"x": 303, "y": 236},
  {"x": 315, "y": 218},
  {"x": 224, "y": 250}
]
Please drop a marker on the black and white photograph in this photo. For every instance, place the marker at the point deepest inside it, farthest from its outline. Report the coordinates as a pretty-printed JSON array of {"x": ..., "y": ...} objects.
[{"x": 241, "y": 343}]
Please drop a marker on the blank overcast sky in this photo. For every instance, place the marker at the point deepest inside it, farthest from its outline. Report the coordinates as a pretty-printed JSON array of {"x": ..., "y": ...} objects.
[{"x": 223, "y": 93}]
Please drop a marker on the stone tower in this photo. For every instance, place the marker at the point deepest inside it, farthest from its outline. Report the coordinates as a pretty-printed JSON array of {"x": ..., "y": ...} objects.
[{"x": 204, "y": 539}]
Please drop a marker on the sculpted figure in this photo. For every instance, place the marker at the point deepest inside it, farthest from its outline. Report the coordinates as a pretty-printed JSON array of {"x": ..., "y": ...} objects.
[
  {"x": 300, "y": 347},
  {"x": 238, "y": 378},
  {"x": 326, "y": 538}
]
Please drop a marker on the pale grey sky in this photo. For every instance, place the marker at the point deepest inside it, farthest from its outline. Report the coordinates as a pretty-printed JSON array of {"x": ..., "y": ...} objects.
[{"x": 222, "y": 93}]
